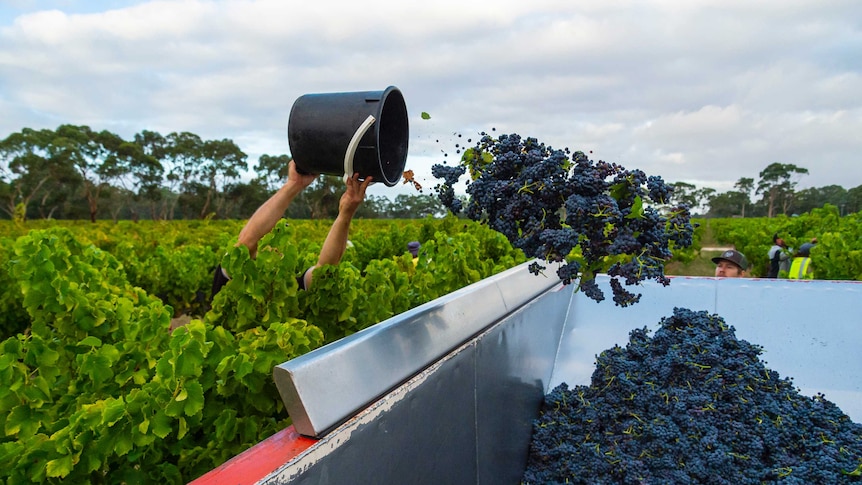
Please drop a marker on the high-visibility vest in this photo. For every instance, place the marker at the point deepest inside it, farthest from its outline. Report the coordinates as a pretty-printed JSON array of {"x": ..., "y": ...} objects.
[{"x": 801, "y": 269}]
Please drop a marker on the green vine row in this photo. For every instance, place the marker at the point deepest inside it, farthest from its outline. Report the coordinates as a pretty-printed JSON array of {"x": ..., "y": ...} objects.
[{"x": 95, "y": 388}]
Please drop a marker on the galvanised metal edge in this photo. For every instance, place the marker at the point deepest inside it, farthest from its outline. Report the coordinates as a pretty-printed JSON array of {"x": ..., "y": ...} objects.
[{"x": 327, "y": 386}]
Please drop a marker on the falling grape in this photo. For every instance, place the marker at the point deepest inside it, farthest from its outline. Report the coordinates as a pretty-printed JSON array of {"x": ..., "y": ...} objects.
[{"x": 561, "y": 207}]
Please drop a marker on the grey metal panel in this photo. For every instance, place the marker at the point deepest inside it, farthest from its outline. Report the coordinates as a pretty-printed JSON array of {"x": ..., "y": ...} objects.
[
  {"x": 326, "y": 386},
  {"x": 515, "y": 359},
  {"x": 421, "y": 433},
  {"x": 810, "y": 330},
  {"x": 465, "y": 419}
]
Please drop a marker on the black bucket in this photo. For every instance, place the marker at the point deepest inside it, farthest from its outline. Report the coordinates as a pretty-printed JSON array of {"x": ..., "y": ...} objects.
[{"x": 343, "y": 133}]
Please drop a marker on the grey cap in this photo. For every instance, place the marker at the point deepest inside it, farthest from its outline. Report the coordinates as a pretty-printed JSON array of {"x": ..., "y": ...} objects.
[
  {"x": 734, "y": 257},
  {"x": 413, "y": 247}
]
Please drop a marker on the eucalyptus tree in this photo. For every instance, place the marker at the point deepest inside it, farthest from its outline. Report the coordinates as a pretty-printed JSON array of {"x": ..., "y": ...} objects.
[
  {"x": 222, "y": 164},
  {"x": 816, "y": 197},
  {"x": 141, "y": 178},
  {"x": 691, "y": 195},
  {"x": 854, "y": 200},
  {"x": 704, "y": 196},
  {"x": 272, "y": 170},
  {"x": 685, "y": 193},
  {"x": 744, "y": 187},
  {"x": 726, "y": 204},
  {"x": 183, "y": 154},
  {"x": 416, "y": 206},
  {"x": 242, "y": 199},
  {"x": 96, "y": 156},
  {"x": 374, "y": 207},
  {"x": 25, "y": 167},
  {"x": 835, "y": 195},
  {"x": 323, "y": 195},
  {"x": 777, "y": 185},
  {"x": 151, "y": 172}
]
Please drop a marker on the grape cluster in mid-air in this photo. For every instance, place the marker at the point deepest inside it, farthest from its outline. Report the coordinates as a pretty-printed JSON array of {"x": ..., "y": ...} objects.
[
  {"x": 690, "y": 404},
  {"x": 559, "y": 206},
  {"x": 445, "y": 191}
]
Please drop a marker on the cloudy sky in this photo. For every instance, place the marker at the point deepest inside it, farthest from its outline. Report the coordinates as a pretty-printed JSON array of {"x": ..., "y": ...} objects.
[{"x": 700, "y": 91}]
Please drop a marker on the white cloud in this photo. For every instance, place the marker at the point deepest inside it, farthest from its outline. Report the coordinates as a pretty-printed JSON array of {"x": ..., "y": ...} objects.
[{"x": 706, "y": 91}]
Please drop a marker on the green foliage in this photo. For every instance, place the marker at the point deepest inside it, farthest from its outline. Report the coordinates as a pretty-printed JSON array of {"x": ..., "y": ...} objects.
[
  {"x": 13, "y": 317},
  {"x": 837, "y": 255},
  {"x": 67, "y": 386},
  {"x": 20, "y": 214},
  {"x": 374, "y": 240},
  {"x": 94, "y": 388},
  {"x": 99, "y": 391},
  {"x": 688, "y": 254}
]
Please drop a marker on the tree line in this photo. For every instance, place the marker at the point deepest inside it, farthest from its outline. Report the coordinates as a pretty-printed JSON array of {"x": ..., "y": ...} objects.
[
  {"x": 75, "y": 172},
  {"x": 774, "y": 193}
]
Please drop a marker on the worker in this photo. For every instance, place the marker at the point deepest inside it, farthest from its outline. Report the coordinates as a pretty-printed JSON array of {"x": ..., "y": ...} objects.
[
  {"x": 413, "y": 247},
  {"x": 779, "y": 257},
  {"x": 730, "y": 264},
  {"x": 809, "y": 245},
  {"x": 800, "y": 268},
  {"x": 269, "y": 213}
]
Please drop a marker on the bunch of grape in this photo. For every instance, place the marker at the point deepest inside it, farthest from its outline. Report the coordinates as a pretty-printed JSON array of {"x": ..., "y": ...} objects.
[
  {"x": 692, "y": 404},
  {"x": 445, "y": 191},
  {"x": 562, "y": 207}
]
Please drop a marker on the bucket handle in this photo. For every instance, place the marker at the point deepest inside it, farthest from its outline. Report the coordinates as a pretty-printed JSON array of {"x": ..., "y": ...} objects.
[{"x": 354, "y": 143}]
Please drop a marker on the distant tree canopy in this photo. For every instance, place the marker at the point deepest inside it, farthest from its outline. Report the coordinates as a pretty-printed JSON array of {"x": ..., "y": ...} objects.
[
  {"x": 74, "y": 172},
  {"x": 776, "y": 189}
]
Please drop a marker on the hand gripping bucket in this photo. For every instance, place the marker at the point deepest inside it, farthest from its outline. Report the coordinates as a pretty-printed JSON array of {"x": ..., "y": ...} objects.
[{"x": 343, "y": 133}]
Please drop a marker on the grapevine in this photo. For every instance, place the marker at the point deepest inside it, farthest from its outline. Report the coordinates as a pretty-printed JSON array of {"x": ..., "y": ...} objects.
[
  {"x": 96, "y": 388},
  {"x": 561, "y": 207}
]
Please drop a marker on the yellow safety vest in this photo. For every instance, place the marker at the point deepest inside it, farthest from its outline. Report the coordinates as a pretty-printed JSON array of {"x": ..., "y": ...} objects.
[{"x": 801, "y": 269}]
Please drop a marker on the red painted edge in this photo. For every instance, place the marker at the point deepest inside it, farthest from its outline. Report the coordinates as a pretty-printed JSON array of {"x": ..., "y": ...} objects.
[{"x": 253, "y": 464}]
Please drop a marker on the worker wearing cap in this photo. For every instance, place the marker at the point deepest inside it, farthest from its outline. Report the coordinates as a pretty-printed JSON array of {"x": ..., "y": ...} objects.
[
  {"x": 800, "y": 268},
  {"x": 806, "y": 247},
  {"x": 730, "y": 264},
  {"x": 413, "y": 247}
]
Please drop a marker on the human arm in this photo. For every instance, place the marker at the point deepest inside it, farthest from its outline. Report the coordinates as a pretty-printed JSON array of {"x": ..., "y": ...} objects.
[
  {"x": 269, "y": 213},
  {"x": 336, "y": 240}
]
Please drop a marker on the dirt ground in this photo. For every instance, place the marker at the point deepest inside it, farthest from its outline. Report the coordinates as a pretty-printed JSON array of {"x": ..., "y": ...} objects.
[{"x": 179, "y": 321}]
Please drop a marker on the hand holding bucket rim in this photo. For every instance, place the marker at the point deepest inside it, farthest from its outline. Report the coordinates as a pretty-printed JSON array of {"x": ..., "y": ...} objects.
[{"x": 342, "y": 133}]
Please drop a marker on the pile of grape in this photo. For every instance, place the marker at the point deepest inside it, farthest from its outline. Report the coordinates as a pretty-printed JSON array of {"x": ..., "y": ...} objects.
[
  {"x": 560, "y": 206},
  {"x": 691, "y": 404}
]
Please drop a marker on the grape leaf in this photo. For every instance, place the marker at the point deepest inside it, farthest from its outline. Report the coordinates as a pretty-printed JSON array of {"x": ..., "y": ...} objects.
[{"x": 59, "y": 467}]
